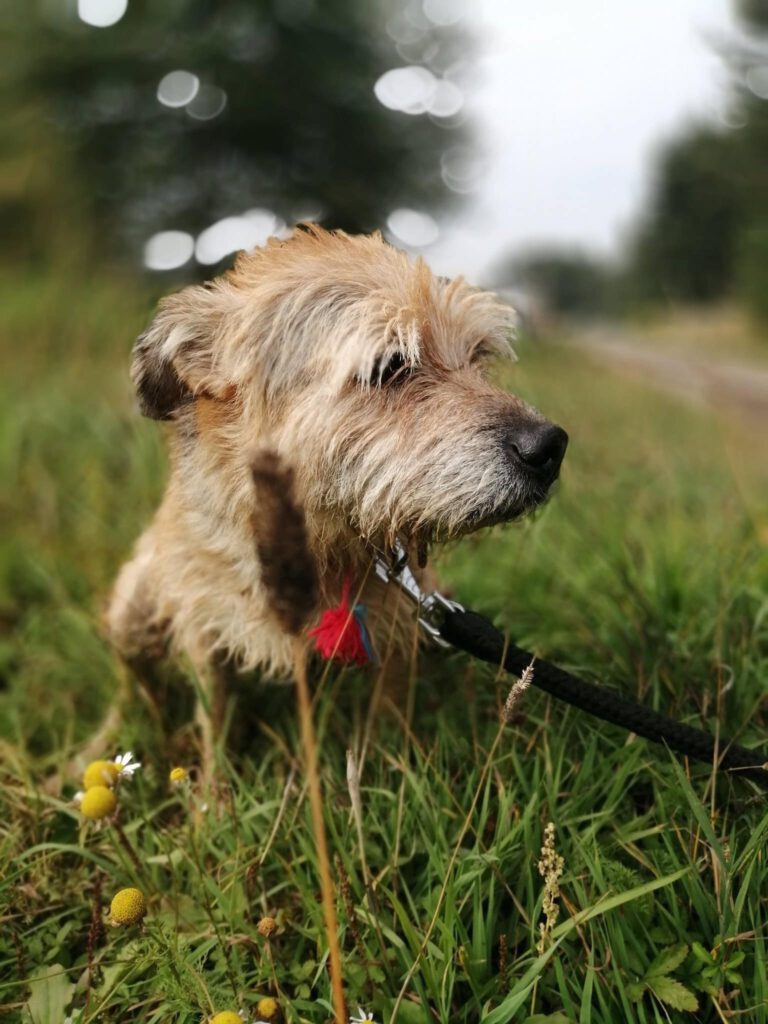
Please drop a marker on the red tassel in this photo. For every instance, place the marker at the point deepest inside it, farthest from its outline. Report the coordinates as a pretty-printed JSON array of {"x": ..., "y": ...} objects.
[{"x": 341, "y": 633}]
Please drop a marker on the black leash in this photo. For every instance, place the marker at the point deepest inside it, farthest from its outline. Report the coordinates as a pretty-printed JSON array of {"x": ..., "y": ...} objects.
[
  {"x": 448, "y": 624},
  {"x": 474, "y": 634}
]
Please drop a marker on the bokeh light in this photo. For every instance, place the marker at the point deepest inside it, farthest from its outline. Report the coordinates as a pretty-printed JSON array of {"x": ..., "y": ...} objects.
[
  {"x": 308, "y": 212},
  {"x": 209, "y": 102},
  {"x": 445, "y": 12},
  {"x": 461, "y": 169},
  {"x": 101, "y": 13},
  {"x": 178, "y": 88},
  {"x": 409, "y": 90},
  {"x": 415, "y": 90},
  {"x": 757, "y": 80},
  {"x": 448, "y": 99},
  {"x": 413, "y": 228},
  {"x": 231, "y": 234},
  {"x": 168, "y": 250}
]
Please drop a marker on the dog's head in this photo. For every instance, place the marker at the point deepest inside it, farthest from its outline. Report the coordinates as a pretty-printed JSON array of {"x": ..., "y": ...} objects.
[{"x": 367, "y": 373}]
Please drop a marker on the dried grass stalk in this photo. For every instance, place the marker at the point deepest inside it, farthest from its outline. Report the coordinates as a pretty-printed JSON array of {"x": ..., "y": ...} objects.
[
  {"x": 515, "y": 694},
  {"x": 287, "y": 567},
  {"x": 289, "y": 575}
]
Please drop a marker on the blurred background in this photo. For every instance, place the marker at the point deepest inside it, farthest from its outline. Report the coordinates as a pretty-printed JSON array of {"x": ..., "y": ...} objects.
[
  {"x": 602, "y": 165},
  {"x": 598, "y": 159}
]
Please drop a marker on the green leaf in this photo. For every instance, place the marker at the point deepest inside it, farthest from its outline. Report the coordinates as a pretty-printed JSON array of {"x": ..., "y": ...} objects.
[
  {"x": 174, "y": 858},
  {"x": 50, "y": 994},
  {"x": 674, "y": 994},
  {"x": 699, "y": 811},
  {"x": 667, "y": 961},
  {"x": 702, "y": 954},
  {"x": 548, "y": 1018},
  {"x": 410, "y": 1013},
  {"x": 635, "y": 990},
  {"x": 504, "y": 1011},
  {"x": 603, "y": 906}
]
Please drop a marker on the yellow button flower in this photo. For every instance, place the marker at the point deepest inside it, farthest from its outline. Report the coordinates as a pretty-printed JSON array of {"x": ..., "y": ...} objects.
[
  {"x": 266, "y": 926},
  {"x": 128, "y": 907},
  {"x": 267, "y": 1008},
  {"x": 98, "y": 802},
  {"x": 177, "y": 776},
  {"x": 100, "y": 773},
  {"x": 227, "y": 1017}
]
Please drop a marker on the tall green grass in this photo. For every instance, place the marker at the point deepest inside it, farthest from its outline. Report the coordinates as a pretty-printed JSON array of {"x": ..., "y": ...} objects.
[{"x": 646, "y": 571}]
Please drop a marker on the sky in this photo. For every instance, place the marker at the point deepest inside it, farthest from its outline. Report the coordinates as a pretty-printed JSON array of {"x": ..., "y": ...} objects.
[
  {"x": 572, "y": 99},
  {"x": 568, "y": 101}
]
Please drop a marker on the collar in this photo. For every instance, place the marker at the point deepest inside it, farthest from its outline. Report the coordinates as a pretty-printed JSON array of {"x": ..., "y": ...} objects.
[{"x": 392, "y": 569}]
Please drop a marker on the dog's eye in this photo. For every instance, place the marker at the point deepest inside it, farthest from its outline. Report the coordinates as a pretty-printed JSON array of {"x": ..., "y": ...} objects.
[
  {"x": 391, "y": 370},
  {"x": 481, "y": 352}
]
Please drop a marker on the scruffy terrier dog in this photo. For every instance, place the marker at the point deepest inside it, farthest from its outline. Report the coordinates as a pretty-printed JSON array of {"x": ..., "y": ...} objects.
[{"x": 365, "y": 373}]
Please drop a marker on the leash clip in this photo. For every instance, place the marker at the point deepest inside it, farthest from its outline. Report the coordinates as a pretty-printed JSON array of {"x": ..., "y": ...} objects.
[{"x": 432, "y": 605}]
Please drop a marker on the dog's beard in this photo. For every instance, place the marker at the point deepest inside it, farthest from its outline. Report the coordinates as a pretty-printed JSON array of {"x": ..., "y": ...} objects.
[
  {"x": 506, "y": 510},
  {"x": 485, "y": 496},
  {"x": 514, "y": 501},
  {"x": 435, "y": 473}
]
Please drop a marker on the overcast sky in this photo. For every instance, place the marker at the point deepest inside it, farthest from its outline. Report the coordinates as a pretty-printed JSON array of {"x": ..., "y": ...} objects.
[{"x": 572, "y": 100}]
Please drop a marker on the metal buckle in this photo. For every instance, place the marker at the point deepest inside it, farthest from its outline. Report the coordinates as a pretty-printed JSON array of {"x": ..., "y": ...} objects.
[{"x": 432, "y": 606}]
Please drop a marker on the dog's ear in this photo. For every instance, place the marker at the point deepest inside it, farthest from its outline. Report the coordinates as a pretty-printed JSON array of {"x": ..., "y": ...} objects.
[{"x": 176, "y": 358}]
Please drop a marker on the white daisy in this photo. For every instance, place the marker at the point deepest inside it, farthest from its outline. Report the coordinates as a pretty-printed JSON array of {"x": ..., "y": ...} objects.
[
  {"x": 362, "y": 1017},
  {"x": 126, "y": 764}
]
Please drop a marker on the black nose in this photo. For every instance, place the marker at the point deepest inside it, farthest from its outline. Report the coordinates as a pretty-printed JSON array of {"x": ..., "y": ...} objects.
[{"x": 540, "y": 447}]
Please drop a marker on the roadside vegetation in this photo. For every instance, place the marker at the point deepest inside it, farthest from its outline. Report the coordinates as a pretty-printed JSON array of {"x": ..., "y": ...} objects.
[{"x": 647, "y": 571}]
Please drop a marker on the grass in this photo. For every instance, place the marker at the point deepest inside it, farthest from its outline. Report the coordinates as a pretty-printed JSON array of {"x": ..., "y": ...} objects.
[
  {"x": 648, "y": 571},
  {"x": 724, "y": 333}
]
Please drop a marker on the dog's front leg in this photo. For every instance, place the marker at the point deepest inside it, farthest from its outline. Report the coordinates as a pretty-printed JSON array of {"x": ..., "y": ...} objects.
[{"x": 210, "y": 700}]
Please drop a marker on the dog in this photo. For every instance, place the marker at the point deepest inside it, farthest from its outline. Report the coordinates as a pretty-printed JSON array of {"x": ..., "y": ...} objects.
[{"x": 366, "y": 374}]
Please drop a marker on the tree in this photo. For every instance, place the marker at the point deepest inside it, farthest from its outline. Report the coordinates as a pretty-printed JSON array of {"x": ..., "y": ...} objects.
[
  {"x": 748, "y": 61},
  {"x": 568, "y": 282},
  {"x": 685, "y": 248},
  {"x": 284, "y": 117},
  {"x": 704, "y": 235},
  {"x": 753, "y": 13}
]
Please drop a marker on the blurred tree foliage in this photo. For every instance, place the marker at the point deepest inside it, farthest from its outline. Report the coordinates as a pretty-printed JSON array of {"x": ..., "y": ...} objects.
[
  {"x": 705, "y": 234},
  {"x": 750, "y": 65},
  {"x": 565, "y": 282},
  {"x": 753, "y": 12},
  {"x": 685, "y": 249},
  {"x": 94, "y": 156}
]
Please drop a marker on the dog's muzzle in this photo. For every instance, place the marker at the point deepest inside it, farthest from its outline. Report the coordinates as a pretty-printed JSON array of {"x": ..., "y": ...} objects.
[{"x": 538, "y": 448}]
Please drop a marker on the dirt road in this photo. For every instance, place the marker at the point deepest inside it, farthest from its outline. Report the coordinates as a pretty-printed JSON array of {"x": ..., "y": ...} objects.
[{"x": 736, "y": 388}]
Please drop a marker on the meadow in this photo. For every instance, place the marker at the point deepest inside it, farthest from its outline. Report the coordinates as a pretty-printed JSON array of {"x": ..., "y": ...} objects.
[{"x": 647, "y": 571}]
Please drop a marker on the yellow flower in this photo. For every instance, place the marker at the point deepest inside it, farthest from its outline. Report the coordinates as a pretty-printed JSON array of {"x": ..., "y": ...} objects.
[
  {"x": 128, "y": 907},
  {"x": 100, "y": 773},
  {"x": 178, "y": 775},
  {"x": 98, "y": 802},
  {"x": 226, "y": 1017},
  {"x": 267, "y": 1008},
  {"x": 266, "y": 926}
]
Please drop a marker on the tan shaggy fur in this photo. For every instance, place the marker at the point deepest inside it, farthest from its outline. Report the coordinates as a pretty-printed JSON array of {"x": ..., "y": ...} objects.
[{"x": 364, "y": 373}]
